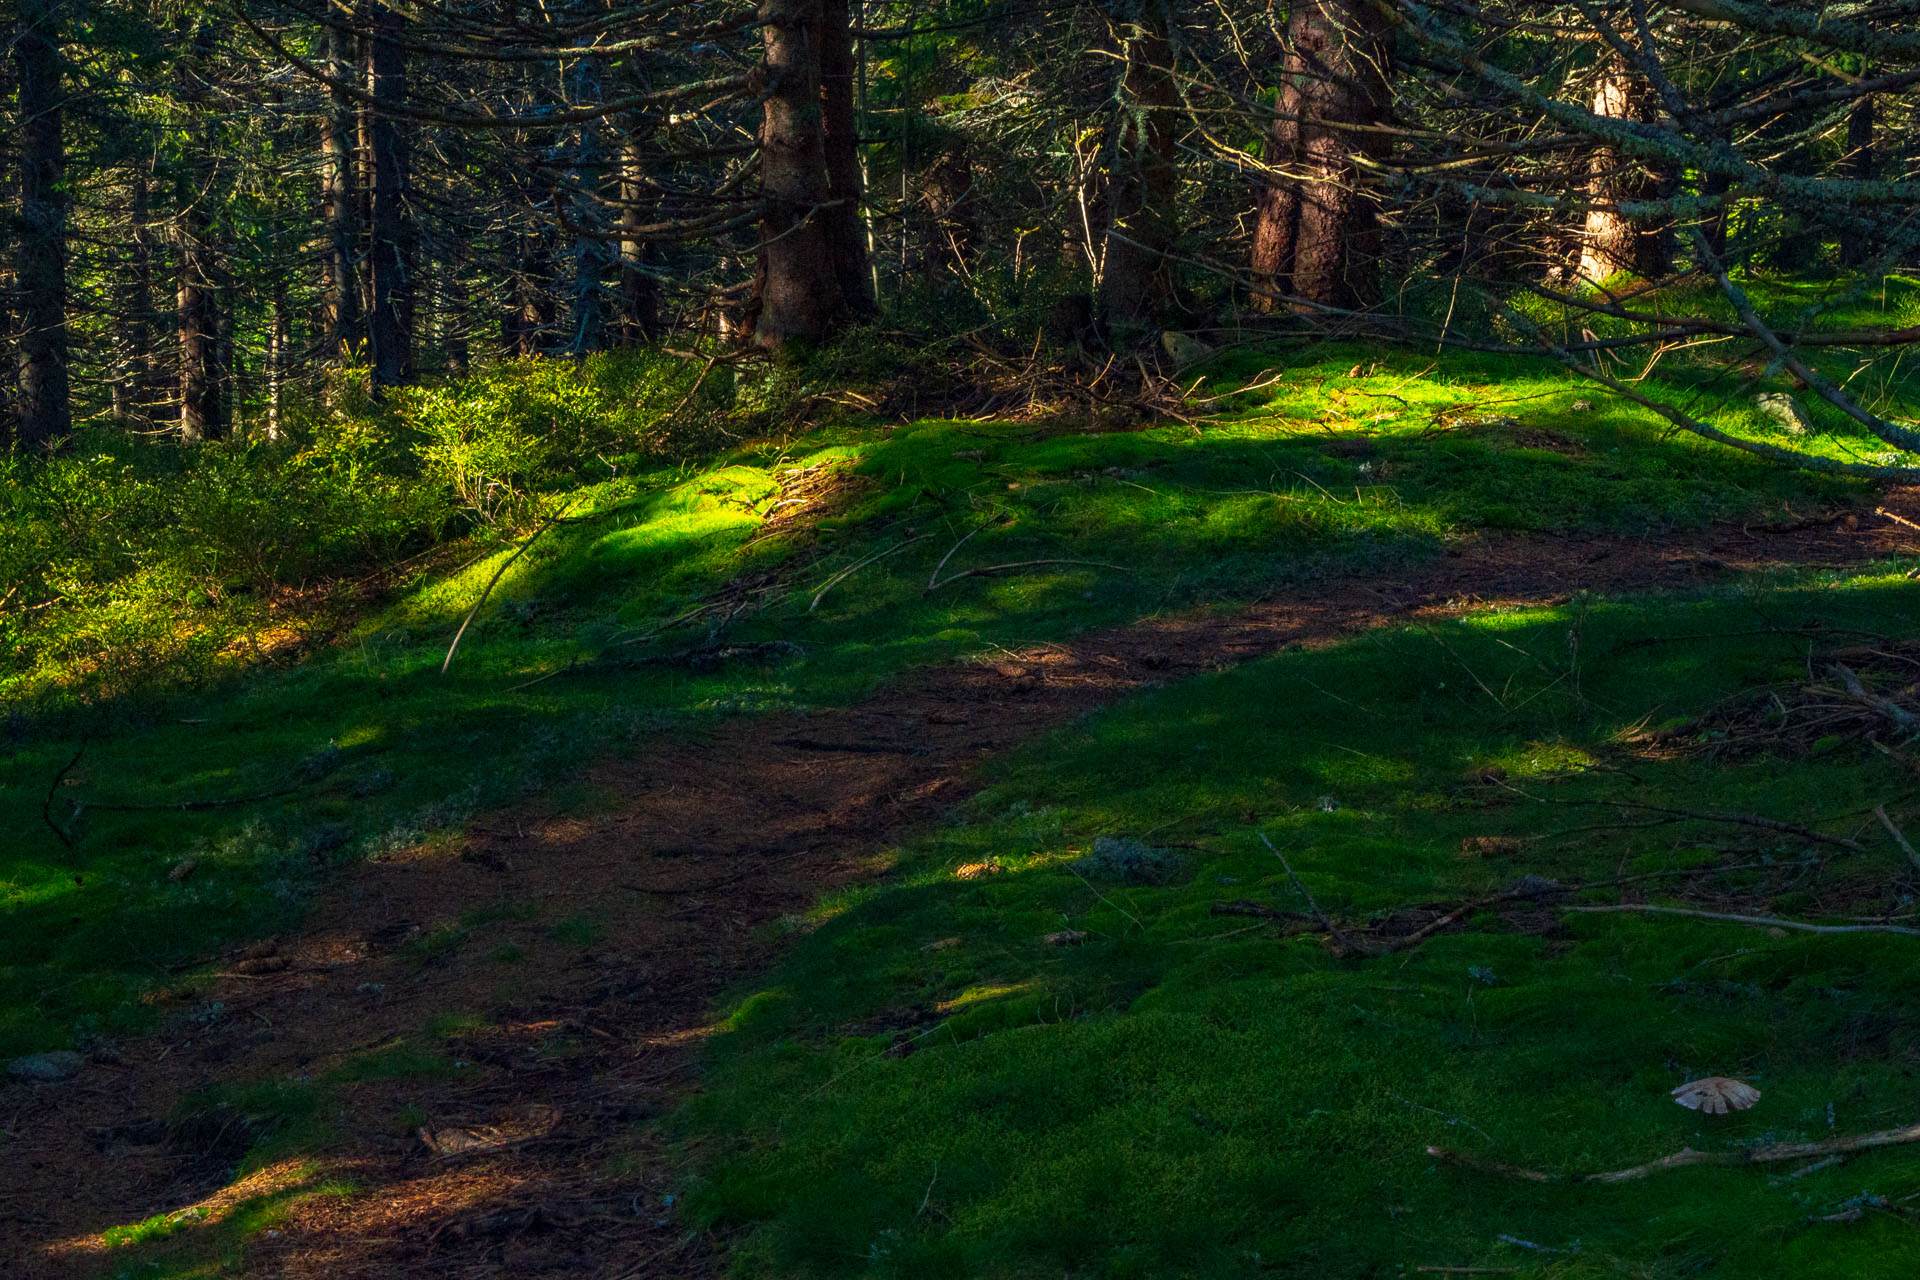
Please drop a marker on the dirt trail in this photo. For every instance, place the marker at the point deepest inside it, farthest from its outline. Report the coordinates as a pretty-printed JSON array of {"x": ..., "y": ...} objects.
[{"x": 590, "y": 1030}]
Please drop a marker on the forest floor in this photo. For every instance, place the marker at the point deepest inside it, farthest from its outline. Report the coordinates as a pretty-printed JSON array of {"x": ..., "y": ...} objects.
[{"x": 766, "y": 988}]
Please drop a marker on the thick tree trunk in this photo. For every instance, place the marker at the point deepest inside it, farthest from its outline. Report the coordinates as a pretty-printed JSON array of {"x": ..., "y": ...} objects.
[
  {"x": 639, "y": 288},
  {"x": 532, "y": 313},
  {"x": 798, "y": 292},
  {"x": 1614, "y": 242},
  {"x": 391, "y": 253},
  {"x": 339, "y": 204},
  {"x": 1134, "y": 284},
  {"x": 197, "y": 322},
  {"x": 845, "y": 227},
  {"x": 45, "y": 412},
  {"x": 587, "y": 319},
  {"x": 203, "y": 413},
  {"x": 956, "y": 230},
  {"x": 1859, "y": 164},
  {"x": 1317, "y": 237}
]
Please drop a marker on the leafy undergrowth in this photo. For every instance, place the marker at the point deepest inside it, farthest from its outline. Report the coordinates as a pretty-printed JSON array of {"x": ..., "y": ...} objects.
[
  {"x": 937, "y": 1082},
  {"x": 188, "y": 820}
]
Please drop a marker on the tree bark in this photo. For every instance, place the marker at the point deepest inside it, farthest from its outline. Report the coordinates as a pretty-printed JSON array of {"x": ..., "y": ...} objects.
[
  {"x": 45, "y": 412},
  {"x": 133, "y": 361},
  {"x": 202, "y": 411},
  {"x": 391, "y": 254},
  {"x": 798, "y": 292},
  {"x": 587, "y": 318},
  {"x": 196, "y": 289},
  {"x": 1317, "y": 234},
  {"x": 639, "y": 290},
  {"x": 1135, "y": 288},
  {"x": 845, "y": 227},
  {"x": 339, "y": 204},
  {"x": 1614, "y": 242},
  {"x": 1860, "y": 164}
]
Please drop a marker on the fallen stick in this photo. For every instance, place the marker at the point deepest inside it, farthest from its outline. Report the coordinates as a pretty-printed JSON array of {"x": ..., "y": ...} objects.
[
  {"x": 1899, "y": 836},
  {"x": 1771, "y": 922},
  {"x": 1340, "y": 940},
  {"x": 1019, "y": 564},
  {"x": 1770, "y": 1153},
  {"x": 494, "y": 581}
]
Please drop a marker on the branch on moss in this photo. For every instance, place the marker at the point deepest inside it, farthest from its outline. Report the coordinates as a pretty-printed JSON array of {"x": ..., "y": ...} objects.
[{"x": 1686, "y": 1157}]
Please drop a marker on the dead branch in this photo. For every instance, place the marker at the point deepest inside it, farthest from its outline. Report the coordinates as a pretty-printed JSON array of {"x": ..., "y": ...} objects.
[
  {"x": 1770, "y": 1153},
  {"x": 933, "y": 586},
  {"x": 494, "y": 580},
  {"x": 53, "y": 789},
  {"x": 1771, "y": 922}
]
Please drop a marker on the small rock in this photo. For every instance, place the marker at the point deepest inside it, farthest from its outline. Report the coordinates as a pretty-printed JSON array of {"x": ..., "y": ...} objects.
[
  {"x": 60, "y": 1064},
  {"x": 1184, "y": 349},
  {"x": 1130, "y": 861},
  {"x": 1786, "y": 411}
]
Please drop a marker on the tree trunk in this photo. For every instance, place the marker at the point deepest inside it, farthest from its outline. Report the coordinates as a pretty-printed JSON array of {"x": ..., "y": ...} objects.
[
  {"x": 46, "y": 413},
  {"x": 797, "y": 288},
  {"x": 339, "y": 205},
  {"x": 390, "y": 256},
  {"x": 133, "y": 361},
  {"x": 956, "y": 230},
  {"x": 1317, "y": 236},
  {"x": 639, "y": 289},
  {"x": 1856, "y": 248},
  {"x": 587, "y": 318},
  {"x": 845, "y": 227},
  {"x": 196, "y": 289},
  {"x": 1613, "y": 241},
  {"x": 1134, "y": 284},
  {"x": 202, "y": 413},
  {"x": 278, "y": 341}
]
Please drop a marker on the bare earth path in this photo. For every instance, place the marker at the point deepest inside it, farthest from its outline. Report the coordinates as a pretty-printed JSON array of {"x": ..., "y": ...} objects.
[{"x": 538, "y": 1166}]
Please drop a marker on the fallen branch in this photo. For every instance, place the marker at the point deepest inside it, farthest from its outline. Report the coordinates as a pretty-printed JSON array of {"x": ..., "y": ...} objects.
[
  {"x": 1771, "y": 922},
  {"x": 1907, "y": 721},
  {"x": 1730, "y": 819},
  {"x": 933, "y": 586},
  {"x": 1341, "y": 941},
  {"x": 494, "y": 581},
  {"x": 1899, "y": 836},
  {"x": 854, "y": 568},
  {"x": 53, "y": 789},
  {"x": 1770, "y": 1153}
]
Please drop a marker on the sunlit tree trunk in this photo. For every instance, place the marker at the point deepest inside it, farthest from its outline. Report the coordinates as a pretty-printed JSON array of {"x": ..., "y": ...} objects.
[
  {"x": 1614, "y": 242},
  {"x": 45, "y": 408},
  {"x": 1317, "y": 235},
  {"x": 1134, "y": 283},
  {"x": 798, "y": 290}
]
